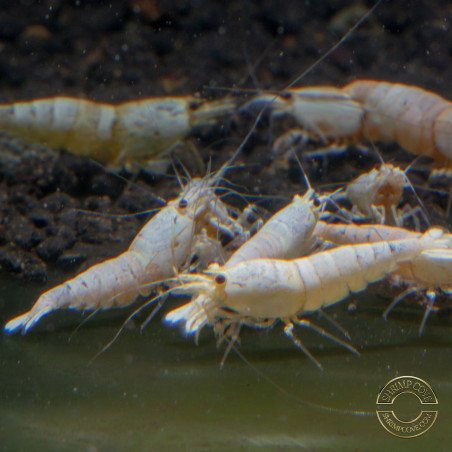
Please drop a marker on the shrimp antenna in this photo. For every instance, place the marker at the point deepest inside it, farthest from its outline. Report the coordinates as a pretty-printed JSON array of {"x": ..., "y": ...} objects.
[
  {"x": 312, "y": 66},
  {"x": 176, "y": 172},
  {"x": 121, "y": 329},
  {"x": 251, "y": 68},
  {"x": 154, "y": 312},
  {"x": 219, "y": 174},
  {"x": 250, "y": 74},
  {"x": 335, "y": 46},
  {"x": 303, "y": 172},
  {"x": 293, "y": 398},
  {"x": 83, "y": 322},
  {"x": 128, "y": 181},
  {"x": 376, "y": 151},
  {"x": 118, "y": 215},
  {"x": 449, "y": 204},
  {"x": 209, "y": 167},
  {"x": 418, "y": 199},
  {"x": 184, "y": 168}
]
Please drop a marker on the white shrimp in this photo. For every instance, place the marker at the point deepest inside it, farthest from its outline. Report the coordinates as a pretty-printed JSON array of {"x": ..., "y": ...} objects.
[
  {"x": 378, "y": 193},
  {"x": 261, "y": 291},
  {"x": 349, "y": 234},
  {"x": 141, "y": 130},
  {"x": 163, "y": 245},
  {"x": 286, "y": 235},
  {"x": 429, "y": 272},
  {"x": 431, "y": 268},
  {"x": 418, "y": 120}
]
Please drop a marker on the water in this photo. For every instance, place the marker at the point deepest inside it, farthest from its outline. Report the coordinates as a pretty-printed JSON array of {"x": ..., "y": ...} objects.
[{"x": 159, "y": 391}]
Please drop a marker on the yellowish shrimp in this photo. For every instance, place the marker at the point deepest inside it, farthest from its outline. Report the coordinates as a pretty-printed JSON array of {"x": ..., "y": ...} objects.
[
  {"x": 418, "y": 120},
  {"x": 141, "y": 130},
  {"x": 162, "y": 245},
  {"x": 262, "y": 291},
  {"x": 430, "y": 271}
]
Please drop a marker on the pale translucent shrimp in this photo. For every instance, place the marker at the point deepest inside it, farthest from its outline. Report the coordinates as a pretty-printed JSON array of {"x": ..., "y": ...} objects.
[
  {"x": 377, "y": 193},
  {"x": 432, "y": 268},
  {"x": 141, "y": 130},
  {"x": 418, "y": 120},
  {"x": 326, "y": 112},
  {"x": 430, "y": 271},
  {"x": 348, "y": 234},
  {"x": 286, "y": 235},
  {"x": 262, "y": 291},
  {"x": 162, "y": 246}
]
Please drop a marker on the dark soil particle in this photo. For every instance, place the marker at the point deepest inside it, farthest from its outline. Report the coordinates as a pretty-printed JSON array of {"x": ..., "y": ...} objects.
[
  {"x": 52, "y": 247},
  {"x": 65, "y": 211}
]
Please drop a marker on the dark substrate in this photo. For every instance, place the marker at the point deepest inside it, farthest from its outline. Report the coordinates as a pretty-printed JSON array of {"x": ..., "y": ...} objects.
[{"x": 120, "y": 50}]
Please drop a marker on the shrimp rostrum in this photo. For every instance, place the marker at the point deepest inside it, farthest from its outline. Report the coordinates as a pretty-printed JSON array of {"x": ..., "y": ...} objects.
[
  {"x": 163, "y": 245},
  {"x": 262, "y": 291},
  {"x": 141, "y": 130}
]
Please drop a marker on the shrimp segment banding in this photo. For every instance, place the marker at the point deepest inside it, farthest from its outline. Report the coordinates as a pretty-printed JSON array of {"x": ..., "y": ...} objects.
[
  {"x": 131, "y": 131},
  {"x": 163, "y": 245},
  {"x": 262, "y": 291},
  {"x": 428, "y": 270},
  {"x": 286, "y": 235},
  {"x": 418, "y": 120}
]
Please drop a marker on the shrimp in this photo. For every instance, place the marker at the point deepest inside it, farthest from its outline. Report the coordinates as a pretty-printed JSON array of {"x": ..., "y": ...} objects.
[
  {"x": 429, "y": 272},
  {"x": 162, "y": 245},
  {"x": 132, "y": 131},
  {"x": 347, "y": 234},
  {"x": 432, "y": 268},
  {"x": 286, "y": 235},
  {"x": 262, "y": 291},
  {"x": 378, "y": 193},
  {"x": 418, "y": 120}
]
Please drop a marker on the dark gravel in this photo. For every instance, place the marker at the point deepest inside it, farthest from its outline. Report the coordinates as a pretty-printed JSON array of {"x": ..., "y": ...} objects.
[{"x": 119, "y": 50}]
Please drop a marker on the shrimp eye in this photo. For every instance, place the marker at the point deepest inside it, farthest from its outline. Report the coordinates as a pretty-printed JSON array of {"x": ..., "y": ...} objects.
[
  {"x": 220, "y": 278},
  {"x": 286, "y": 95},
  {"x": 316, "y": 201},
  {"x": 194, "y": 104},
  {"x": 183, "y": 203}
]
